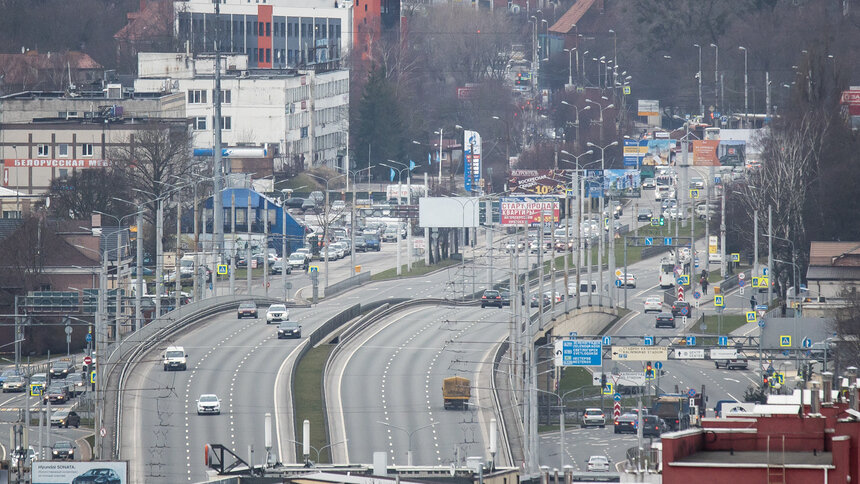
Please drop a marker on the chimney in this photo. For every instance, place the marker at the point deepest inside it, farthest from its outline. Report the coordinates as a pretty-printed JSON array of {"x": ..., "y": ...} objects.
[
  {"x": 852, "y": 376},
  {"x": 852, "y": 398},
  {"x": 815, "y": 406},
  {"x": 827, "y": 382}
]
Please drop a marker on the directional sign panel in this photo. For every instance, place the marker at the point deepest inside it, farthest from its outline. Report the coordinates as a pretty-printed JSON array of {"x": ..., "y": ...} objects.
[
  {"x": 785, "y": 341},
  {"x": 609, "y": 389},
  {"x": 723, "y": 353},
  {"x": 718, "y": 301},
  {"x": 723, "y": 340},
  {"x": 625, "y": 378},
  {"x": 765, "y": 271},
  {"x": 607, "y": 341},
  {"x": 689, "y": 354},
  {"x": 691, "y": 341},
  {"x": 667, "y": 240},
  {"x": 684, "y": 280},
  {"x": 579, "y": 352},
  {"x": 617, "y": 397},
  {"x": 806, "y": 343},
  {"x": 658, "y": 365},
  {"x": 640, "y": 353},
  {"x": 648, "y": 340},
  {"x": 752, "y": 317},
  {"x": 650, "y": 240}
]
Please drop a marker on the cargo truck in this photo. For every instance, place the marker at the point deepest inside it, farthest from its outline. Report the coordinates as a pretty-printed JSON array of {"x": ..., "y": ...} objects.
[
  {"x": 456, "y": 391},
  {"x": 674, "y": 410}
]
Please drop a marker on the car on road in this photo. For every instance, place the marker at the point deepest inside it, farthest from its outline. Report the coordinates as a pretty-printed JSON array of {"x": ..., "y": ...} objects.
[
  {"x": 18, "y": 455},
  {"x": 597, "y": 463},
  {"x": 7, "y": 373},
  {"x": 175, "y": 358},
  {"x": 697, "y": 183},
  {"x": 56, "y": 393},
  {"x": 534, "y": 300},
  {"x": 61, "y": 369},
  {"x": 63, "y": 449},
  {"x": 649, "y": 184},
  {"x": 66, "y": 418},
  {"x": 338, "y": 206},
  {"x": 277, "y": 313},
  {"x": 626, "y": 423},
  {"x": 372, "y": 241},
  {"x": 626, "y": 279},
  {"x": 652, "y": 426},
  {"x": 76, "y": 384},
  {"x": 506, "y": 298},
  {"x": 665, "y": 320},
  {"x": 491, "y": 298},
  {"x": 339, "y": 249},
  {"x": 736, "y": 363},
  {"x": 391, "y": 234},
  {"x": 14, "y": 384},
  {"x": 98, "y": 476},
  {"x": 298, "y": 260},
  {"x": 294, "y": 202},
  {"x": 247, "y": 309},
  {"x": 208, "y": 404},
  {"x": 277, "y": 267},
  {"x": 308, "y": 205},
  {"x": 39, "y": 379},
  {"x": 593, "y": 416},
  {"x": 681, "y": 308},
  {"x": 645, "y": 215},
  {"x": 653, "y": 303},
  {"x": 360, "y": 244},
  {"x": 289, "y": 329}
]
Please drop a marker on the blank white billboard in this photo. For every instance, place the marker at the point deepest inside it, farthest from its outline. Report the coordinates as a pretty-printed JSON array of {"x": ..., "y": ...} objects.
[{"x": 441, "y": 212}]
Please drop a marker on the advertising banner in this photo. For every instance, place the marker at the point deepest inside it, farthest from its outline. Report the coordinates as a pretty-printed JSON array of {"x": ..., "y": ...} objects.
[
  {"x": 732, "y": 152},
  {"x": 648, "y": 107},
  {"x": 539, "y": 182},
  {"x": 472, "y": 161},
  {"x": 622, "y": 183},
  {"x": 705, "y": 153},
  {"x": 634, "y": 151},
  {"x": 851, "y": 97},
  {"x": 593, "y": 183},
  {"x": 657, "y": 151},
  {"x": 528, "y": 210},
  {"x": 55, "y": 163},
  {"x": 60, "y": 472}
]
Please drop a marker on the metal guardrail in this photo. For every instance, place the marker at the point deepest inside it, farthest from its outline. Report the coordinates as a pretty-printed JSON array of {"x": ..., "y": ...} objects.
[
  {"x": 350, "y": 282},
  {"x": 139, "y": 342},
  {"x": 498, "y": 409}
]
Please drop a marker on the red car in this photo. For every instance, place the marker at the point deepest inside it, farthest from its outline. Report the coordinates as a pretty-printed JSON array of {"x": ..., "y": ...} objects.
[{"x": 247, "y": 310}]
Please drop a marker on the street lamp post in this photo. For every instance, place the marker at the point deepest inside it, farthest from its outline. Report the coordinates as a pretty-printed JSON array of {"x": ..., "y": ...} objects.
[
  {"x": 614, "y": 54},
  {"x": 570, "y": 65},
  {"x": 612, "y": 228},
  {"x": 699, "y": 77},
  {"x": 600, "y": 120},
  {"x": 409, "y": 435},
  {"x": 119, "y": 244},
  {"x": 577, "y": 110},
  {"x": 578, "y": 221},
  {"x": 325, "y": 220},
  {"x": 746, "y": 86},
  {"x": 716, "y": 75}
]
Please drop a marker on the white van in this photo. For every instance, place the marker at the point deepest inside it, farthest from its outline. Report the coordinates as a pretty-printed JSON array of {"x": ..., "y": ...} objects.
[
  {"x": 583, "y": 288},
  {"x": 662, "y": 191}
]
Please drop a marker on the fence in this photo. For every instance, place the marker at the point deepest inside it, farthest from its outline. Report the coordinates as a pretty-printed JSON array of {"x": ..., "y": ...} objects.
[{"x": 350, "y": 282}]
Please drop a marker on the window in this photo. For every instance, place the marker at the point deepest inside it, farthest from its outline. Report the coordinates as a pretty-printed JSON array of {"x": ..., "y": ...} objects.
[
  {"x": 196, "y": 96},
  {"x": 63, "y": 150},
  {"x": 268, "y": 29},
  {"x": 275, "y": 28},
  {"x": 260, "y": 29},
  {"x": 251, "y": 28},
  {"x": 87, "y": 149},
  {"x": 304, "y": 132},
  {"x": 226, "y": 123},
  {"x": 262, "y": 55},
  {"x": 11, "y": 214},
  {"x": 64, "y": 173},
  {"x": 226, "y": 97},
  {"x": 200, "y": 123},
  {"x": 269, "y": 55},
  {"x": 289, "y": 29},
  {"x": 43, "y": 150}
]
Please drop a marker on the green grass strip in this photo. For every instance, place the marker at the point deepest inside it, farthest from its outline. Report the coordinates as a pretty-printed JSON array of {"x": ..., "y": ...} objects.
[
  {"x": 418, "y": 269},
  {"x": 308, "y": 404}
]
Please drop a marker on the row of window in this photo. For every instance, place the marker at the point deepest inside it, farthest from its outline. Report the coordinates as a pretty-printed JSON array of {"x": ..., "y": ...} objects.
[
  {"x": 64, "y": 150},
  {"x": 331, "y": 115},
  {"x": 200, "y": 123},
  {"x": 199, "y": 96},
  {"x": 330, "y": 89},
  {"x": 296, "y": 29}
]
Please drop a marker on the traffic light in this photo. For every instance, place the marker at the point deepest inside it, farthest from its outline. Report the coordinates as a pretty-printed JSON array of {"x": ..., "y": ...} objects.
[
  {"x": 603, "y": 380},
  {"x": 764, "y": 380},
  {"x": 662, "y": 221},
  {"x": 649, "y": 370}
]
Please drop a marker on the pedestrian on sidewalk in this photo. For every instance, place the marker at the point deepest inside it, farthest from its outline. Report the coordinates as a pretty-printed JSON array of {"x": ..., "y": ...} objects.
[
  {"x": 753, "y": 302},
  {"x": 704, "y": 283}
]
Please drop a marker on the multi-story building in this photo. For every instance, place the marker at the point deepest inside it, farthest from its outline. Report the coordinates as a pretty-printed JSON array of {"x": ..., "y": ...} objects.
[
  {"x": 272, "y": 33},
  {"x": 302, "y": 115}
]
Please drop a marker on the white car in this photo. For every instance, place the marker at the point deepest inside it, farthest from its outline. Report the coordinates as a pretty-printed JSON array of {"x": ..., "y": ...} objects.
[
  {"x": 593, "y": 416},
  {"x": 715, "y": 257},
  {"x": 598, "y": 463},
  {"x": 653, "y": 303},
  {"x": 277, "y": 313},
  {"x": 208, "y": 404}
]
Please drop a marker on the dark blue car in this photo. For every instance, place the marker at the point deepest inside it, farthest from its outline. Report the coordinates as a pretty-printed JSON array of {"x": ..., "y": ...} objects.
[{"x": 372, "y": 242}]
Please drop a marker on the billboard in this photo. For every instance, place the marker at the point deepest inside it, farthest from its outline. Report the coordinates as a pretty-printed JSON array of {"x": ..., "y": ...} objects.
[
  {"x": 528, "y": 210},
  {"x": 66, "y": 472},
  {"x": 622, "y": 183},
  {"x": 439, "y": 212},
  {"x": 705, "y": 153},
  {"x": 732, "y": 152},
  {"x": 657, "y": 151},
  {"x": 851, "y": 97},
  {"x": 634, "y": 151},
  {"x": 539, "y": 182},
  {"x": 649, "y": 107},
  {"x": 593, "y": 183},
  {"x": 472, "y": 161}
]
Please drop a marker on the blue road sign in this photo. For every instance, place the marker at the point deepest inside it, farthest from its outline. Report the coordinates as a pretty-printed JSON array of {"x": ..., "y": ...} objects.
[
  {"x": 697, "y": 294},
  {"x": 691, "y": 392},
  {"x": 649, "y": 240},
  {"x": 806, "y": 343},
  {"x": 649, "y": 340},
  {"x": 582, "y": 352},
  {"x": 691, "y": 341},
  {"x": 658, "y": 365},
  {"x": 742, "y": 283},
  {"x": 667, "y": 240},
  {"x": 685, "y": 310},
  {"x": 573, "y": 334},
  {"x": 618, "y": 283},
  {"x": 717, "y": 180},
  {"x": 723, "y": 341},
  {"x": 761, "y": 307},
  {"x": 785, "y": 340},
  {"x": 608, "y": 389},
  {"x": 683, "y": 280},
  {"x": 89, "y": 337},
  {"x": 786, "y": 353},
  {"x": 655, "y": 222},
  {"x": 607, "y": 341},
  {"x": 764, "y": 271},
  {"x": 617, "y": 397},
  {"x": 761, "y": 323}
]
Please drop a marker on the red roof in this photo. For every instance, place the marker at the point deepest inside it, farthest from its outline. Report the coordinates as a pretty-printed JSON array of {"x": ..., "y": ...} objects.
[
  {"x": 31, "y": 68},
  {"x": 153, "y": 20},
  {"x": 565, "y": 24}
]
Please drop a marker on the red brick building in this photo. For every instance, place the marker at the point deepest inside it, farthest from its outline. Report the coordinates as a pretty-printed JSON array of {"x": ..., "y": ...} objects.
[{"x": 821, "y": 445}]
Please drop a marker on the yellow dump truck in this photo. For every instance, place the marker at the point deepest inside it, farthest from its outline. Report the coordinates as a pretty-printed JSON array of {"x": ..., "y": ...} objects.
[{"x": 456, "y": 391}]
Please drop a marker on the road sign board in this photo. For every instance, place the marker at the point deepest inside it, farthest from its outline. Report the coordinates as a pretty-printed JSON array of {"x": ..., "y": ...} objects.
[
  {"x": 691, "y": 392},
  {"x": 694, "y": 193},
  {"x": 762, "y": 282},
  {"x": 761, "y": 323},
  {"x": 655, "y": 222},
  {"x": 35, "y": 390},
  {"x": 736, "y": 257},
  {"x": 755, "y": 281},
  {"x": 222, "y": 269},
  {"x": 617, "y": 397},
  {"x": 608, "y": 389},
  {"x": 751, "y": 317},
  {"x": 741, "y": 283},
  {"x": 617, "y": 282},
  {"x": 761, "y": 307},
  {"x": 640, "y": 353},
  {"x": 667, "y": 240},
  {"x": 761, "y": 313},
  {"x": 684, "y": 280},
  {"x": 625, "y": 378},
  {"x": 579, "y": 352},
  {"x": 780, "y": 378},
  {"x": 741, "y": 291},
  {"x": 697, "y": 294},
  {"x": 742, "y": 276},
  {"x": 785, "y": 341},
  {"x": 650, "y": 240},
  {"x": 765, "y": 271},
  {"x": 723, "y": 340},
  {"x": 689, "y": 354},
  {"x": 717, "y": 180},
  {"x": 718, "y": 301},
  {"x": 723, "y": 353},
  {"x": 88, "y": 360},
  {"x": 691, "y": 341},
  {"x": 607, "y": 340},
  {"x": 697, "y": 303},
  {"x": 89, "y": 337},
  {"x": 658, "y": 365},
  {"x": 648, "y": 340},
  {"x": 103, "y": 431},
  {"x": 680, "y": 293},
  {"x": 625, "y": 90},
  {"x": 313, "y": 268},
  {"x": 684, "y": 320},
  {"x": 685, "y": 310},
  {"x": 92, "y": 376},
  {"x": 806, "y": 343}
]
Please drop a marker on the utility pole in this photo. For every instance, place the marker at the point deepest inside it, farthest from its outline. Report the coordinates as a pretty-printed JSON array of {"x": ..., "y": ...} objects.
[
  {"x": 770, "y": 252},
  {"x": 723, "y": 235},
  {"x": 248, "y": 222},
  {"x": 265, "y": 246},
  {"x": 233, "y": 233},
  {"x": 218, "y": 168},
  {"x": 284, "y": 261},
  {"x": 755, "y": 244},
  {"x": 177, "y": 284},
  {"x": 138, "y": 293},
  {"x": 159, "y": 256}
]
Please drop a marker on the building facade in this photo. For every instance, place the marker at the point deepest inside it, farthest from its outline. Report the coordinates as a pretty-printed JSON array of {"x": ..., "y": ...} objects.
[{"x": 302, "y": 115}]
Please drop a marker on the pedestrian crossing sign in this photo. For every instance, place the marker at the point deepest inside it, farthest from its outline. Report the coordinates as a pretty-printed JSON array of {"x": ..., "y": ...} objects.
[
  {"x": 608, "y": 389},
  {"x": 222, "y": 269},
  {"x": 694, "y": 193},
  {"x": 751, "y": 317},
  {"x": 35, "y": 390},
  {"x": 313, "y": 269},
  {"x": 785, "y": 341},
  {"x": 718, "y": 301}
]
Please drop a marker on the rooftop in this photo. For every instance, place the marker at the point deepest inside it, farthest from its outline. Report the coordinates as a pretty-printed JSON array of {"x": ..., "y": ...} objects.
[
  {"x": 822, "y": 253},
  {"x": 754, "y": 459},
  {"x": 567, "y": 21}
]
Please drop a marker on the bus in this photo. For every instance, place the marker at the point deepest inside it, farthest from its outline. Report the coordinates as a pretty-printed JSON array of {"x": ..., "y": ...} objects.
[{"x": 666, "y": 274}]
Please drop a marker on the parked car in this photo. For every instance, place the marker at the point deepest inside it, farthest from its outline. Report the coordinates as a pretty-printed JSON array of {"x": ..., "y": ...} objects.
[
  {"x": 736, "y": 363},
  {"x": 491, "y": 298},
  {"x": 247, "y": 309},
  {"x": 208, "y": 404},
  {"x": 289, "y": 329},
  {"x": 597, "y": 463},
  {"x": 653, "y": 303},
  {"x": 65, "y": 418},
  {"x": 277, "y": 313},
  {"x": 593, "y": 416},
  {"x": 63, "y": 449},
  {"x": 665, "y": 320},
  {"x": 298, "y": 260}
]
